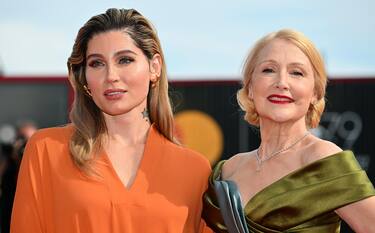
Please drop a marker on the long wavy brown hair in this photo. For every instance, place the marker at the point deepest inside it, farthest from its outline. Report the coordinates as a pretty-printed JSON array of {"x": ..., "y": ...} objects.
[{"x": 88, "y": 119}]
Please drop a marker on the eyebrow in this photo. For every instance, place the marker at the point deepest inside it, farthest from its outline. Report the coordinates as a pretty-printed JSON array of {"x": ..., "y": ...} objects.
[
  {"x": 125, "y": 51},
  {"x": 270, "y": 60},
  {"x": 291, "y": 64},
  {"x": 297, "y": 64}
]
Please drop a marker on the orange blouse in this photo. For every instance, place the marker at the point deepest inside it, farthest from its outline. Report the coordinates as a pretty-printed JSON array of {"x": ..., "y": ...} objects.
[{"x": 54, "y": 196}]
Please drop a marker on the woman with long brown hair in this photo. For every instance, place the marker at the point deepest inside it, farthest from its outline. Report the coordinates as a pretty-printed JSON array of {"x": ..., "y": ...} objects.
[{"x": 116, "y": 167}]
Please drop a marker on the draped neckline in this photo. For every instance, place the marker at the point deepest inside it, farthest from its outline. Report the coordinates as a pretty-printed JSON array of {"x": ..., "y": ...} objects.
[{"x": 264, "y": 190}]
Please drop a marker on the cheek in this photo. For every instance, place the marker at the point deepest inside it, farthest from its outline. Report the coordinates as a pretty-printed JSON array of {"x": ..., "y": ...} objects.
[
  {"x": 139, "y": 83},
  {"x": 92, "y": 78},
  {"x": 307, "y": 91},
  {"x": 305, "y": 95},
  {"x": 259, "y": 88},
  {"x": 95, "y": 88},
  {"x": 94, "y": 83}
]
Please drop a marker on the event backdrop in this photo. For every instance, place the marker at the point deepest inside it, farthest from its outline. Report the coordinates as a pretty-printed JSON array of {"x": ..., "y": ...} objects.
[{"x": 208, "y": 118}]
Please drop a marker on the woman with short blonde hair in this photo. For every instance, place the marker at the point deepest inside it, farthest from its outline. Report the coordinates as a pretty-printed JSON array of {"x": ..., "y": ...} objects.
[{"x": 294, "y": 181}]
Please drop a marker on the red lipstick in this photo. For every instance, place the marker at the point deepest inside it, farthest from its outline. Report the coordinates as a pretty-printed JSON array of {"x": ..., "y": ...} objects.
[{"x": 280, "y": 99}]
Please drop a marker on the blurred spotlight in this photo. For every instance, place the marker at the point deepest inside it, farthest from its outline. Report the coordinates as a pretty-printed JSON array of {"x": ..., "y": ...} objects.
[{"x": 7, "y": 134}]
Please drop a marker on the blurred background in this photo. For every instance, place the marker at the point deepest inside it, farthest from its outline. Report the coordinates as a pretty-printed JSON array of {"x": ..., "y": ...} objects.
[{"x": 205, "y": 44}]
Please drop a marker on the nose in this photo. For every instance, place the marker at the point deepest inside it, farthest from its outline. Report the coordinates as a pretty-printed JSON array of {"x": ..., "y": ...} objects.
[
  {"x": 112, "y": 74},
  {"x": 282, "y": 81}
]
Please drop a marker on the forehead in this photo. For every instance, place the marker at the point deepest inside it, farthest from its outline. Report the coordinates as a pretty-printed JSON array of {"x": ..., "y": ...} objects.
[
  {"x": 281, "y": 50},
  {"x": 111, "y": 41}
]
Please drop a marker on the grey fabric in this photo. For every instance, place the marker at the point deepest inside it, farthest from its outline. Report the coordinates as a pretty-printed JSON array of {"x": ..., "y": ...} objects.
[{"x": 230, "y": 206}]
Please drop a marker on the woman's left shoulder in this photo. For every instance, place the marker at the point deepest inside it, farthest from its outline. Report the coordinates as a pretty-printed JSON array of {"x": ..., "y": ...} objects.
[
  {"x": 187, "y": 156},
  {"x": 320, "y": 149}
]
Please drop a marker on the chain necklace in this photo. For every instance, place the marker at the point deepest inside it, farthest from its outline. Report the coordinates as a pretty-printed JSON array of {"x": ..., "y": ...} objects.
[{"x": 267, "y": 157}]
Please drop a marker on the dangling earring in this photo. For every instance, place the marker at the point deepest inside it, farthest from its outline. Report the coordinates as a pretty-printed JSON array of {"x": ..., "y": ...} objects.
[
  {"x": 154, "y": 83},
  {"x": 87, "y": 90}
]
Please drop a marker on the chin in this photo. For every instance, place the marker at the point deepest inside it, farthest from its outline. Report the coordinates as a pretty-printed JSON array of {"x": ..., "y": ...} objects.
[
  {"x": 285, "y": 118},
  {"x": 279, "y": 117},
  {"x": 115, "y": 112}
]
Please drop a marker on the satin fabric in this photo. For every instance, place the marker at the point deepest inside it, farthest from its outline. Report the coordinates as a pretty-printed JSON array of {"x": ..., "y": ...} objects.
[
  {"x": 54, "y": 196},
  {"x": 302, "y": 201}
]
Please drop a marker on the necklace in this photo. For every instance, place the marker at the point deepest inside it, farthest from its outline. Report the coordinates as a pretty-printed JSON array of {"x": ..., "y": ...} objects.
[{"x": 267, "y": 157}]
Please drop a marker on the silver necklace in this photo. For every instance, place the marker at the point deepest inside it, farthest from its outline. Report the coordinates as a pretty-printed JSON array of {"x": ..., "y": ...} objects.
[{"x": 267, "y": 157}]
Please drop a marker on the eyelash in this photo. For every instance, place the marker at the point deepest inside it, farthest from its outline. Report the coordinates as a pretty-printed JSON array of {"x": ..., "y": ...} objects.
[
  {"x": 295, "y": 73},
  {"x": 122, "y": 60},
  {"x": 125, "y": 60},
  {"x": 268, "y": 70},
  {"x": 95, "y": 63}
]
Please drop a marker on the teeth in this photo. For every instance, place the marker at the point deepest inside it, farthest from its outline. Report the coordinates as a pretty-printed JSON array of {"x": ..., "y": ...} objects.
[
  {"x": 279, "y": 99},
  {"x": 115, "y": 93}
]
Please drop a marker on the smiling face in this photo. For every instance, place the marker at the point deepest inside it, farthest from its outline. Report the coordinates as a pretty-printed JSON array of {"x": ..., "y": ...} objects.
[
  {"x": 118, "y": 74},
  {"x": 282, "y": 84}
]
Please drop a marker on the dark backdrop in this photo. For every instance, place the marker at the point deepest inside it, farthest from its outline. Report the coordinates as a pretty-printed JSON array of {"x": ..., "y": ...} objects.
[{"x": 348, "y": 120}]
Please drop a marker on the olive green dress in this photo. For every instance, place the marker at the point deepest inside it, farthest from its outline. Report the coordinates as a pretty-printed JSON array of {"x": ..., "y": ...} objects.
[{"x": 302, "y": 201}]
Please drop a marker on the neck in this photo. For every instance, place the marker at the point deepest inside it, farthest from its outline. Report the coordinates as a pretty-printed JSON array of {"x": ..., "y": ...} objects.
[
  {"x": 277, "y": 136},
  {"x": 128, "y": 129}
]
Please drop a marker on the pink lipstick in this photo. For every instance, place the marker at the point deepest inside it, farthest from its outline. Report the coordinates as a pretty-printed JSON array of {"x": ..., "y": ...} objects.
[{"x": 114, "y": 94}]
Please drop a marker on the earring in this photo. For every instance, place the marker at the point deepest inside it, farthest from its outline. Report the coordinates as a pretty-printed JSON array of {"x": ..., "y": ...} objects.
[
  {"x": 87, "y": 90},
  {"x": 154, "y": 83}
]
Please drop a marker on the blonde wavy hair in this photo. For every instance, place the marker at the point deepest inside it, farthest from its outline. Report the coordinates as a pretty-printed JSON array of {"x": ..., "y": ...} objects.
[
  {"x": 88, "y": 119},
  {"x": 316, "y": 109}
]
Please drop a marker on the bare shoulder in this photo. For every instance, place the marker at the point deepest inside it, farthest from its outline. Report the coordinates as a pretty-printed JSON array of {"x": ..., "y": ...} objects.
[
  {"x": 232, "y": 164},
  {"x": 319, "y": 149}
]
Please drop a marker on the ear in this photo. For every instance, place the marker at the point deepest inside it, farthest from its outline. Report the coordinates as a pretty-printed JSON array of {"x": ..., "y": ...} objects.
[
  {"x": 250, "y": 95},
  {"x": 155, "y": 67},
  {"x": 314, "y": 98}
]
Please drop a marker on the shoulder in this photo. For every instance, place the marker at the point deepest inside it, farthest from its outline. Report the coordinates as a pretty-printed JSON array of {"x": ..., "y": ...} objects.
[
  {"x": 51, "y": 137},
  {"x": 177, "y": 154},
  {"x": 189, "y": 156},
  {"x": 319, "y": 149},
  {"x": 53, "y": 133},
  {"x": 45, "y": 144},
  {"x": 232, "y": 164},
  {"x": 185, "y": 164}
]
